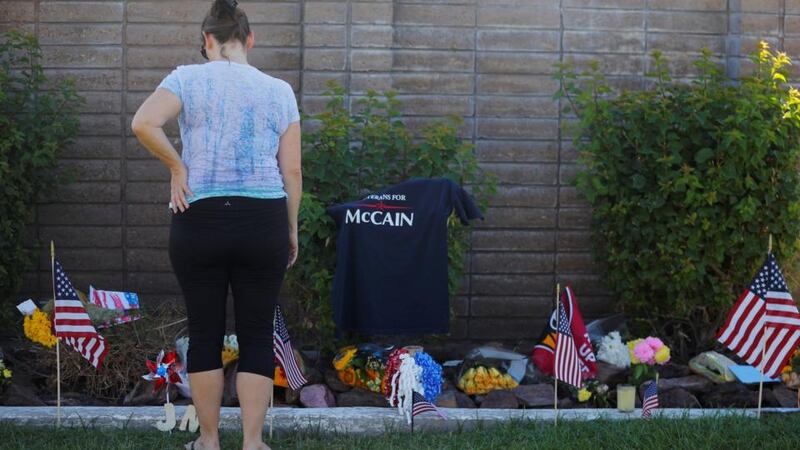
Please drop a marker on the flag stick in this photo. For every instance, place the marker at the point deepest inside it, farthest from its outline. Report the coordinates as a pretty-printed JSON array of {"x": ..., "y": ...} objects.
[
  {"x": 58, "y": 349},
  {"x": 763, "y": 349},
  {"x": 555, "y": 344},
  {"x": 761, "y": 379}
]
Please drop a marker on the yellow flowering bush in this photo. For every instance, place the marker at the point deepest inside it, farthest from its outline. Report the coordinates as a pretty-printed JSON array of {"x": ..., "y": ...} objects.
[{"x": 38, "y": 328}]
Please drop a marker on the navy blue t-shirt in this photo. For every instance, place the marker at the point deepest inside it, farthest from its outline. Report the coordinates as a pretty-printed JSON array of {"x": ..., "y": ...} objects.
[{"x": 391, "y": 262}]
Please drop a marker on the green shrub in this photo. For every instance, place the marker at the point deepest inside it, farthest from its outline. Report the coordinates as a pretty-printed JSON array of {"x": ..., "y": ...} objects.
[
  {"x": 35, "y": 124},
  {"x": 349, "y": 155},
  {"x": 686, "y": 182}
]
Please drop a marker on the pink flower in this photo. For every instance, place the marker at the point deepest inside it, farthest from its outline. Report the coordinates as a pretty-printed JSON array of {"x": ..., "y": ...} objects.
[
  {"x": 644, "y": 352},
  {"x": 654, "y": 343}
]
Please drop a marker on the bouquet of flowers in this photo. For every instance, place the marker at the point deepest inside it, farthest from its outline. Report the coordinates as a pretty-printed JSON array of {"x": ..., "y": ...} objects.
[
  {"x": 791, "y": 371},
  {"x": 39, "y": 328},
  {"x": 482, "y": 379},
  {"x": 595, "y": 392},
  {"x": 491, "y": 368},
  {"x": 613, "y": 351},
  {"x": 645, "y": 354},
  {"x": 230, "y": 349},
  {"x": 362, "y": 366}
]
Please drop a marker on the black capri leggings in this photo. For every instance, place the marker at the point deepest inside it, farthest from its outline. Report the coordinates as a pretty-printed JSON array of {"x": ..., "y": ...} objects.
[{"x": 238, "y": 241}]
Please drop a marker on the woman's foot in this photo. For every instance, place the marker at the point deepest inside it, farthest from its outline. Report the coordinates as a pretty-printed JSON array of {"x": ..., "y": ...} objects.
[
  {"x": 200, "y": 444},
  {"x": 255, "y": 446}
]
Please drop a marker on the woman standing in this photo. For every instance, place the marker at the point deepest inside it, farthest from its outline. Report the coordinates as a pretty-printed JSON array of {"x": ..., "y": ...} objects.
[{"x": 235, "y": 196}]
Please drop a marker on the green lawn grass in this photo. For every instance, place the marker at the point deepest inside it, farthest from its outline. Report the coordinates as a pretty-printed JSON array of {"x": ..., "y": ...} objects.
[{"x": 771, "y": 432}]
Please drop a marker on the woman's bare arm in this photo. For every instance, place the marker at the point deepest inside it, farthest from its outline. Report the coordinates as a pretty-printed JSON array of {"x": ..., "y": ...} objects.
[
  {"x": 289, "y": 163},
  {"x": 161, "y": 106}
]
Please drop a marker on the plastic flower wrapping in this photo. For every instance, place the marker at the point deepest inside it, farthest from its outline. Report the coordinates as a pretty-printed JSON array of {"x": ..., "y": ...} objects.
[
  {"x": 39, "y": 328},
  {"x": 613, "y": 351},
  {"x": 362, "y": 366},
  {"x": 482, "y": 379}
]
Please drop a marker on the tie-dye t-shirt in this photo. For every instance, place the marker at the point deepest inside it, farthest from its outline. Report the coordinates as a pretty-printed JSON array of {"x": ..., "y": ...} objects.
[{"x": 231, "y": 121}]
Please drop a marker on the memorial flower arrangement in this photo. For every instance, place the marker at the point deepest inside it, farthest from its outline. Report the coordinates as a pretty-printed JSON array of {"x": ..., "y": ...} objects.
[
  {"x": 39, "y": 328},
  {"x": 790, "y": 374},
  {"x": 613, "y": 351},
  {"x": 595, "y": 392},
  {"x": 392, "y": 366},
  {"x": 362, "y": 366},
  {"x": 430, "y": 376},
  {"x": 230, "y": 349},
  {"x": 482, "y": 379},
  {"x": 645, "y": 354}
]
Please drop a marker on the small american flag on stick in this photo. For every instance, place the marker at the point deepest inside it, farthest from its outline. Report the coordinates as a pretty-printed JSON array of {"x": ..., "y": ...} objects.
[
  {"x": 764, "y": 326},
  {"x": 72, "y": 323},
  {"x": 650, "y": 401},
  {"x": 284, "y": 353},
  {"x": 567, "y": 366},
  {"x": 420, "y": 406}
]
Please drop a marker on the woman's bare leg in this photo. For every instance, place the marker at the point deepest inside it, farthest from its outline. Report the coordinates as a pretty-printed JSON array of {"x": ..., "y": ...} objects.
[
  {"x": 207, "y": 389},
  {"x": 254, "y": 393}
]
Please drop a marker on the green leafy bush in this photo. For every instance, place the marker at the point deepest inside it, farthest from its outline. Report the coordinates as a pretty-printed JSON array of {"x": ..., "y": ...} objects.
[
  {"x": 686, "y": 181},
  {"x": 349, "y": 155},
  {"x": 35, "y": 124}
]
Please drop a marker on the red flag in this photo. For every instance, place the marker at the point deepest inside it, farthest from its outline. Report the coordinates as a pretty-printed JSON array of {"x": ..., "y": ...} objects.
[{"x": 544, "y": 352}]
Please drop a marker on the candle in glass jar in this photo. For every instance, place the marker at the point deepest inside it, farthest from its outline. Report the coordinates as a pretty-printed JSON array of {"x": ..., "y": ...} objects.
[{"x": 626, "y": 398}]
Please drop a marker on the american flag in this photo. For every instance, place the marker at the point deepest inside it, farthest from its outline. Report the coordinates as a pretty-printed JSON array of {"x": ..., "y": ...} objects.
[
  {"x": 113, "y": 299},
  {"x": 567, "y": 366},
  {"x": 282, "y": 346},
  {"x": 765, "y": 322},
  {"x": 420, "y": 405},
  {"x": 650, "y": 401},
  {"x": 72, "y": 323}
]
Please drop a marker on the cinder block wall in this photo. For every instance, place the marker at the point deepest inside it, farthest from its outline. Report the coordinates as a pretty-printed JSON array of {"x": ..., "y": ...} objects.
[{"x": 490, "y": 61}]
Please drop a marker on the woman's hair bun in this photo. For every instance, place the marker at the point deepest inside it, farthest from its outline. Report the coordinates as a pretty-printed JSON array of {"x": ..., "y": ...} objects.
[{"x": 222, "y": 8}]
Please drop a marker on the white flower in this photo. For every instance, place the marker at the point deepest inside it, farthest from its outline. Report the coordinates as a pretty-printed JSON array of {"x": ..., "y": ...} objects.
[
  {"x": 231, "y": 342},
  {"x": 613, "y": 351}
]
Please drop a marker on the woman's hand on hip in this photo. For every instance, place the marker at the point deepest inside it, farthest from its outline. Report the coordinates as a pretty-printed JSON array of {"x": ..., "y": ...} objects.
[
  {"x": 179, "y": 189},
  {"x": 293, "y": 247}
]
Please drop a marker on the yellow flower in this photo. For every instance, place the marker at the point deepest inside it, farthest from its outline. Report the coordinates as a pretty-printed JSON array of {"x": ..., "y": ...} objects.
[
  {"x": 584, "y": 395},
  {"x": 631, "y": 345},
  {"x": 229, "y": 355},
  {"x": 662, "y": 355},
  {"x": 6, "y": 373},
  {"x": 38, "y": 328},
  {"x": 344, "y": 357}
]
